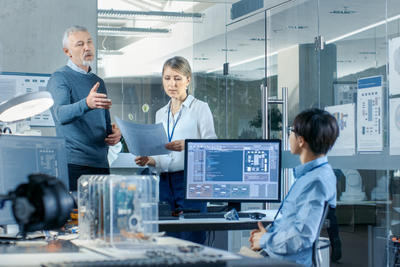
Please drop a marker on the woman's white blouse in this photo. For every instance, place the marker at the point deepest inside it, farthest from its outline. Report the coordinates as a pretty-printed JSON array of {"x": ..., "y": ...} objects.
[{"x": 196, "y": 122}]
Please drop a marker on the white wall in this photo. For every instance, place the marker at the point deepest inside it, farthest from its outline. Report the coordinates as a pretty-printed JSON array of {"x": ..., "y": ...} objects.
[{"x": 31, "y": 32}]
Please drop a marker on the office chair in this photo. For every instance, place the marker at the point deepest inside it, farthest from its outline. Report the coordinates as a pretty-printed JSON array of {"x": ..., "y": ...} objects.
[{"x": 316, "y": 259}]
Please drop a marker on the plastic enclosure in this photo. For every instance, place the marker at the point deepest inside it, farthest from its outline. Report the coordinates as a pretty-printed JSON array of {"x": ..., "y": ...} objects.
[{"x": 118, "y": 208}]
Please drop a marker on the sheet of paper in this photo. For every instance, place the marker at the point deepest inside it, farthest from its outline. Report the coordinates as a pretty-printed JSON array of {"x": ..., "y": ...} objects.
[
  {"x": 144, "y": 139},
  {"x": 369, "y": 114},
  {"x": 394, "y": 66},
  {"x": 345, "y": 145},
  {"x": 394, "y": 126}
]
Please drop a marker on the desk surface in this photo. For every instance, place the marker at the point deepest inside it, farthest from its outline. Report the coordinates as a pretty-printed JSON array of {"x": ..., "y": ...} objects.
[
  {"x": 215, "y": 224},
  {"x": 90, "y": 251},
  {"x": 208, "y": 224}
]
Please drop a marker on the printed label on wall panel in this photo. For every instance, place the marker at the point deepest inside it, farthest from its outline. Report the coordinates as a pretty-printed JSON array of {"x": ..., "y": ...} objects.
[
  {"x": 394, "y": 66},
  {"x": 369, "y": 114},
  {"x": 15, "y": 83},
  {"x": 345, "y": 145},
  {"x": 394, "y": 124}
]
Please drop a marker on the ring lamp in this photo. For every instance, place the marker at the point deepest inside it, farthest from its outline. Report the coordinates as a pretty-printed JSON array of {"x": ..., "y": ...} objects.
[{"x": 25, "y": 106}]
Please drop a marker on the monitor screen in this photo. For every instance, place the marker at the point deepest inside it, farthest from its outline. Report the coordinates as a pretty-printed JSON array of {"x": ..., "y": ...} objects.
[
  {"x": 233, "y": 170},
  {"x": 23, "y": 155}
]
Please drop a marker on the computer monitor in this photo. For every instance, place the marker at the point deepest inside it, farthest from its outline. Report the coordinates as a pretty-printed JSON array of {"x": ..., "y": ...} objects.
[
  {"x": 233, "y": 170},
  {"x": 23, "y": 155}
]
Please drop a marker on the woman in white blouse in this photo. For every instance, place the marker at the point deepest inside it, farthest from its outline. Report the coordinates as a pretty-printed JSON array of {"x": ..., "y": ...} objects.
[{"x": 184, "y": 117}]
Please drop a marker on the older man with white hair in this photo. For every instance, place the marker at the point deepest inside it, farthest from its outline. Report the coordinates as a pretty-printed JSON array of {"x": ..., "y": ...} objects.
[{"x": 81, "y": 108}]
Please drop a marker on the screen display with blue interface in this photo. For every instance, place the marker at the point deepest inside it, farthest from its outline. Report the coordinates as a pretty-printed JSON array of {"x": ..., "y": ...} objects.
[
  {"x": 233, "y": 170},
  {"x": 24, "y": 155}
]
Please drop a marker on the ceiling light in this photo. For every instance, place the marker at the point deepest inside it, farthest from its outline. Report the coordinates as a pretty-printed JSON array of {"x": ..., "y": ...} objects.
[
  {"x": 25, "y": 106},
  {"x": 128, "y": 31},
  {"x": 252, "y": 59},
  {"x": 129, "y": 14},
  {"x": 363, "y": 29}
]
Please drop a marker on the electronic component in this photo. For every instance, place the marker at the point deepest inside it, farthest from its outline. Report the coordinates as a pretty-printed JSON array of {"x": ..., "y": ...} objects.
[{"x": 117, "y": 208}]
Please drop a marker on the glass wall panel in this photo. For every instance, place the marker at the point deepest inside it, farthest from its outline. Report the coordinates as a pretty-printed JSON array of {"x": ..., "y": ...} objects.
[
  {"x": 292, "y": 55},
  {"x": 131, "y": 62},
  {"x": 246, "y": 58},
  {"x": 355, "y": 35},
  {"x": 209, "y": 55},
  {"x": 317, "y": 49}
]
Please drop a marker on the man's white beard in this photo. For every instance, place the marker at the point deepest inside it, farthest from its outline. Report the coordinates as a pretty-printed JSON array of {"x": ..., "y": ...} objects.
[{"x": 87, "y": 63}]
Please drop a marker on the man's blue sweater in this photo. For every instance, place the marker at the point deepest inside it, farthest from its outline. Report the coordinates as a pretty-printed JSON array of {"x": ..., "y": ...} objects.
[{"x": 84, "y": 129}]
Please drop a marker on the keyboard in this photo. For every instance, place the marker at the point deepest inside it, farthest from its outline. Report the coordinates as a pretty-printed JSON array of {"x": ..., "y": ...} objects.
[
  {"x": 186, "y": 257},
  {"x": 155, "y": 262},
  {"x": 212, "y": 215}
]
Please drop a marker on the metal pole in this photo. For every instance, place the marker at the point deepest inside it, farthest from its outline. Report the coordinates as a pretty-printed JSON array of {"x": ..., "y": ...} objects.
[
  {"x": 285, "y": 118},
  {"x": 264, "y": 110}
]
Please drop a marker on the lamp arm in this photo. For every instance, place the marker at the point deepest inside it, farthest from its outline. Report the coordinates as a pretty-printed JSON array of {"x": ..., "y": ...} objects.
[{"x": 4, "y": 198}]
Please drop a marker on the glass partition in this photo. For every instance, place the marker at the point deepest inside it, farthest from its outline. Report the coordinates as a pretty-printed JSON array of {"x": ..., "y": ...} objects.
[
  {"x": 358, "y": 51},
  {"x": 246, "y": 61},
  {"x": 324, "y": 53}
]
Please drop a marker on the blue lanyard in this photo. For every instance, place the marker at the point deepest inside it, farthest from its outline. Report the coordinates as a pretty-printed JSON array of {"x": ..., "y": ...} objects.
[
  {"x": 173, "y": 128},
  {"x": 280, "y": 207}
]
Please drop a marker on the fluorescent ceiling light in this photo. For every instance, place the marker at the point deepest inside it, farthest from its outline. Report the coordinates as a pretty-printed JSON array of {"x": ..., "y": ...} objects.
[
  {"x": 111, "y": 13},
  {"x": 363, "y": 29},
  {"x": 25, "y": 106},
  {"x": 128, "y": 31},
  {"x": 251, "y": 59}
]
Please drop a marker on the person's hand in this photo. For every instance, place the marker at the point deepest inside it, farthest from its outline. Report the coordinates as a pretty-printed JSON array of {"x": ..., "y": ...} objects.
[
  {"x": 144, "y": 160},
  {"x": 177, "y": 145},
  {"x": 114, "y": 137},
  {"x": 96, "y": 100},
  {"x": 255, "y": 237}
]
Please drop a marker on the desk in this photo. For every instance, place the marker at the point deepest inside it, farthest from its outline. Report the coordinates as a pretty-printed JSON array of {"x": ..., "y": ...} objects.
[
  {"x": 209, "y": 224},
  {"x": 215, "y": 224},
  {"x": 91, "y": 251}
]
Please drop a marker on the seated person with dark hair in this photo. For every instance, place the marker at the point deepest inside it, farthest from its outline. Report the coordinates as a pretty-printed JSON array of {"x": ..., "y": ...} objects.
[{"x": 294, "y": 230}]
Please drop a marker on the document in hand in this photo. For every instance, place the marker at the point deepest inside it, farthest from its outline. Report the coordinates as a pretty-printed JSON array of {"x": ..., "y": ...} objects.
[{"x": 143, "y": 139}]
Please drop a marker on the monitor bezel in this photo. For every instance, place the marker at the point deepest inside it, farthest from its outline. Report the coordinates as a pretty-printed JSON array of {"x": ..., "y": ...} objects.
[{"x": 278, "y": 200}]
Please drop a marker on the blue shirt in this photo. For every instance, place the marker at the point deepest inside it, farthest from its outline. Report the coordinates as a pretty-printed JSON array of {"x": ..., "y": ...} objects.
[
  {"x": 74, "y": 67},
  {"x": 294, "y": 231},
  {"x": 84, "y": 129}
]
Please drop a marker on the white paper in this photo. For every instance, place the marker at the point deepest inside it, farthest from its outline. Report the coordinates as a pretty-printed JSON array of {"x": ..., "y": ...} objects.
[
  {"x": 369, "y": 115},
  {"x": 345, "y": 144},
  {"x": 394, "y": 126},
  {"x": 394, "y": 66},
  {"x": 144, "y": 139}
]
